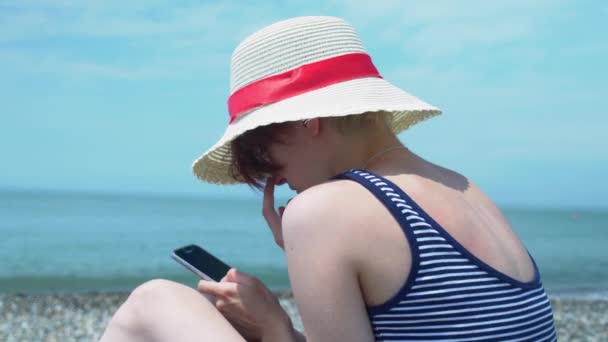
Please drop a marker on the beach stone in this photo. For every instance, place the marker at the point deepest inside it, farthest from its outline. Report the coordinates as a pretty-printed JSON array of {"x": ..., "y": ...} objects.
[{"x": 83, "y": 317}]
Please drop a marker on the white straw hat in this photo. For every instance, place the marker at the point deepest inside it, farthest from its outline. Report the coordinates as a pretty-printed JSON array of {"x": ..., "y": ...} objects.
[{"x": 303, "y": 68}]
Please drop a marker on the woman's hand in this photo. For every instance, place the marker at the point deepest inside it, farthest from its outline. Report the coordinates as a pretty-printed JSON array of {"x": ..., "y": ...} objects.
[
  {"x": 248, "y": 305},
  {"x": 272, "y": 216}
]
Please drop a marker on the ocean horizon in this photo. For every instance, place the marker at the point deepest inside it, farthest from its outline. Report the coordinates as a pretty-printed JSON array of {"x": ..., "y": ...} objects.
[{"x": 57, "y": 242}]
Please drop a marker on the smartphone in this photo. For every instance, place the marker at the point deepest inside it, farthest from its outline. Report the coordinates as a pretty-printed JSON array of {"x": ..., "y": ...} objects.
[{"x": 201, "y": 262}]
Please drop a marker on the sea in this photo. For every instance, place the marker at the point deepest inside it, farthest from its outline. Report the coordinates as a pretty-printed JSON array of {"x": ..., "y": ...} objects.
[{"x": 54, "y": 242}]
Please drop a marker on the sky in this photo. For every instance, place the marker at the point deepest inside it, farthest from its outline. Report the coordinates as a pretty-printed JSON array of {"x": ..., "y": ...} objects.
[{"x": 122, "y": 96}]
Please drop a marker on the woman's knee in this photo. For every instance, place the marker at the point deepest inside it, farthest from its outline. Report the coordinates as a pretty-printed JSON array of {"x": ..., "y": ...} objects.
[
  {"x": 151, "y": 301},
  {"x": 161, "y": 295},
  {"x": 161, "y": 308},
  {"x": 152, "y": 292}
]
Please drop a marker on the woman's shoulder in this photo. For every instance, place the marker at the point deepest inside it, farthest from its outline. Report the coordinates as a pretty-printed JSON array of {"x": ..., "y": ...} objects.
[
  {"x": 328, "y": 195},
  {"x": 331, "y": 220},
  {"x": 333, "y": 202}
]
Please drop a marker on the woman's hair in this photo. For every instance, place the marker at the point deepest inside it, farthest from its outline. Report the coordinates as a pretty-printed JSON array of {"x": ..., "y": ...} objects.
[{"x": 251, "y": 161}]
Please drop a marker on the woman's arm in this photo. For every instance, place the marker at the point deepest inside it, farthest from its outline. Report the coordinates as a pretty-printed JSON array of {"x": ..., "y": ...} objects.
[{"x": 322, "y": 269}]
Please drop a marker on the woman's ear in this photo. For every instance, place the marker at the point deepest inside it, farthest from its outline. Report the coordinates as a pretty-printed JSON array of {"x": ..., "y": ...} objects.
[{"x": 313, "y": 125}]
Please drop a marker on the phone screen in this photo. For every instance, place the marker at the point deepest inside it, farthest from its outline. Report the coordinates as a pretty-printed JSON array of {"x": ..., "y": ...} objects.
[{"x": 203, "y": 261}]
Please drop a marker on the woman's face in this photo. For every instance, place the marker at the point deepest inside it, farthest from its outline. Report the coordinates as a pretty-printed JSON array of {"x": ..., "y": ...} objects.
[{"x": 301, "y": 157}]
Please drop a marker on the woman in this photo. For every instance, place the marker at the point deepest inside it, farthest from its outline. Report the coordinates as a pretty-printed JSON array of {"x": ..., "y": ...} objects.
[{"x": 381, "y": 244}]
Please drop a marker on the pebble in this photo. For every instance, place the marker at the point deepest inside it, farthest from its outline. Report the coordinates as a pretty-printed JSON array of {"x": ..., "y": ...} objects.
[{"x": 83, "y": 317}]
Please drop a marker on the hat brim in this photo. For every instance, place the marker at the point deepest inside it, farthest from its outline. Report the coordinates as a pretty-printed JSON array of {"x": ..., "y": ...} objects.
[{"x": 344, "y": 98}]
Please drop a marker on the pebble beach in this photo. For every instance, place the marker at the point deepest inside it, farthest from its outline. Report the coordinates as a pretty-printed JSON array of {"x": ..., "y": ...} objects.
[{"x": 83, "y": 317}]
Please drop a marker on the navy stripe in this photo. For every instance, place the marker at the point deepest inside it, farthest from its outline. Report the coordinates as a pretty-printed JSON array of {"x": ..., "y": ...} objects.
[{"x": 450, "y": 295}]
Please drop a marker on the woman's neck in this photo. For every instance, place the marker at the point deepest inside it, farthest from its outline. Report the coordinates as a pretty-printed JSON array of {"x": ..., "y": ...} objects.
[{"x": 367, "y": 149}]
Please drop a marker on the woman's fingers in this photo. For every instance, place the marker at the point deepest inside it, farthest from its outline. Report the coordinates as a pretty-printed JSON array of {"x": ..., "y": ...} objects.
[
  {"x": 270, "y": 214},
  {"x": 242, "y": 278},
  {"x": 268, "y": 210},
  {"x": 229, "y": 276},
  {"x": 222, "y": 290},
  {"x": 221, "y": 304},
  {"x": 235, "y": 276}
]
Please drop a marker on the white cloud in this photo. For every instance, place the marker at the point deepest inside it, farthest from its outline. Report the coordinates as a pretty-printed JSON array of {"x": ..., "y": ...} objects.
[
  {"x": 63, "y": 66},
  {"x": 413, "y": 13},
  {"x": 443, "y": 39},
  {"x": 151, "y": 40},
  {"x": 124, "y": 20},
  {"x": 445, "y": 27}
]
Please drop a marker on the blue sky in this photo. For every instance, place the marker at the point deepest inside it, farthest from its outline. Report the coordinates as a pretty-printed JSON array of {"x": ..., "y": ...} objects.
[{"x": 122, "y": 96}]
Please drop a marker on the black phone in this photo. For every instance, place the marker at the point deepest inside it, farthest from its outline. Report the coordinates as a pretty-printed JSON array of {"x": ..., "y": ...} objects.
[{"x": 201, "y": 262}]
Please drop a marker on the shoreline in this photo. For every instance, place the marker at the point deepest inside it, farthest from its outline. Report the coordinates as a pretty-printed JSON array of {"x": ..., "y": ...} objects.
[
  {"x": 83, "y": 316},
  {"x": 585, "y": 294}
]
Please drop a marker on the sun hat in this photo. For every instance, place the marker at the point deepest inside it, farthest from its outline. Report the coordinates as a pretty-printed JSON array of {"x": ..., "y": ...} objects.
[{"x": 303, "y": 68}]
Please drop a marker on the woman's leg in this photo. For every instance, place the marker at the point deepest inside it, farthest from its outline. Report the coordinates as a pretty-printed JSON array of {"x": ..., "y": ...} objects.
[{"x": 162, "y": 310}]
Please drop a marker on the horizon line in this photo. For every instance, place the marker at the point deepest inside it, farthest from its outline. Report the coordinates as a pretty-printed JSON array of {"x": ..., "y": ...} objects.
[{"x": 249, "y": 197}]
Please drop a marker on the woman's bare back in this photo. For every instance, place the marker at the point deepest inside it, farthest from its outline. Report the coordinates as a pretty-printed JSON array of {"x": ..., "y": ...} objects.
[{"x": 455, "y": 203}]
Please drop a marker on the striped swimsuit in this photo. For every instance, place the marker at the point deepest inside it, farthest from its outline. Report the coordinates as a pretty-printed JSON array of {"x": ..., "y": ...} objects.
[{"x": 450, "y": 295}]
